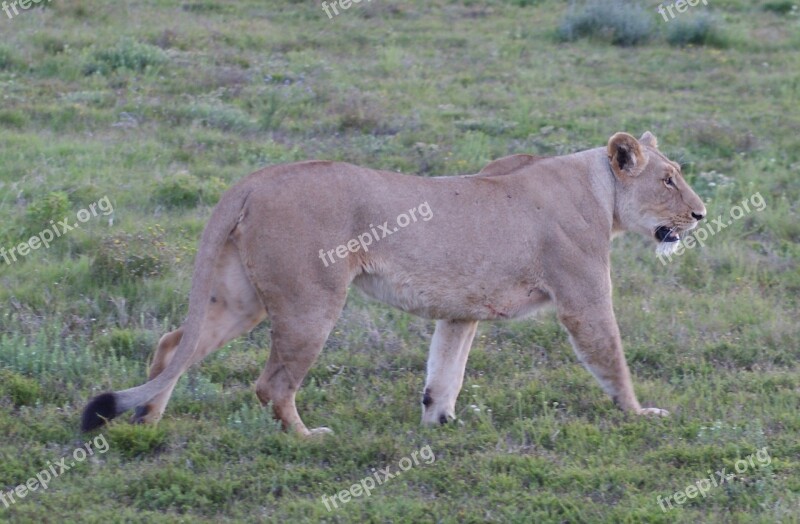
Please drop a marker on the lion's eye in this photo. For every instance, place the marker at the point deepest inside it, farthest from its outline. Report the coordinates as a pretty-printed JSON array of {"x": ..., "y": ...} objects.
[{"x": 669, "y": 182}]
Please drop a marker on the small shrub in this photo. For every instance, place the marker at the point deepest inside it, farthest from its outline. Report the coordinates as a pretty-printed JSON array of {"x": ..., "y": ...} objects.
[
  {"x": 51, "y": 45},
  {"x": 84, "y": 194},
  {"x": 129, "y": 256},
  {"x": 269, "y": 111},
  {"x": 128, "y": 54},
  {"x": 112, "y": 264},
  {"x": 782, "y": 7},
  {"x": 186, "y": 190},
  {"x": 23, "y": 391},
  {"x": 213, "y": 189},
  {"x": 6, "y": 57},
  {"x": 358, "y": 113},
  {"x": 619, "y": 21},
  {"x": 53, "y": 206},
  {"x": 700, "y": 29},
  {"x": 179, "y": 190},
  {"x": 13, "y": 119},
  {"x": 134, "y": 440},
  {"x": 252, "y": 420},
  {"x": 129, "y": 343}
]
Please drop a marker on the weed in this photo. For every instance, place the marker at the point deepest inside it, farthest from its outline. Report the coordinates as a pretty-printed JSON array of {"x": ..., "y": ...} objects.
[
  {"x": 127, "y": 54},
  {"x": 621, "y": 22},
  {"x": 781, "y": 7},
  {"x": 23, "y": 391},
  {"x": 53, "y": 206},
  {"x": 134, "y": 440},
  {"x": 697, "y": 29},
  {"x": 179, "y": 190}
]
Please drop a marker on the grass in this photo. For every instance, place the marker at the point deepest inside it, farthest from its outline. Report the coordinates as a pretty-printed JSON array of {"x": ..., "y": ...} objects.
[{"x": 160, "y": 105}]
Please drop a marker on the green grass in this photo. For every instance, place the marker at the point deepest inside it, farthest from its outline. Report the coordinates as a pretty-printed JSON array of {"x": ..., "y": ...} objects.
[{"x": 160, "y": 105}]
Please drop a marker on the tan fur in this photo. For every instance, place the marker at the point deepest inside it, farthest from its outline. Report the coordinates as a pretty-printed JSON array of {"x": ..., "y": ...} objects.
[
  {"x": 508, "y": 164},
  {"x": 523, "y": 233}
]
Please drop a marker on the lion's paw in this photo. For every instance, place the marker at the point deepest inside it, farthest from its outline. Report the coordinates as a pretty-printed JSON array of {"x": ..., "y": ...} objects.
[
  {"x": 654, "y": 412},
  {"x": 319, "y": 432}
]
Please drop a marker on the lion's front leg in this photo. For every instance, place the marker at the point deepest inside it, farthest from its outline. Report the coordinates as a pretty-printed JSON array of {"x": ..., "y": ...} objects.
[
  {"x": 595, "y": 338},
  {"x": 450, "y": 346}
]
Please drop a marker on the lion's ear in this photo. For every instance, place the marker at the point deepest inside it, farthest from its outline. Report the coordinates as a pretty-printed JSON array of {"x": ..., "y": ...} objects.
[
  {"x": 625, "y": 155},
  {"x": 649, "y": 139}
]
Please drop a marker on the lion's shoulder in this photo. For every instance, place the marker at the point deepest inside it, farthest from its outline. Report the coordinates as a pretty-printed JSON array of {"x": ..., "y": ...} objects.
[{"x": 508, "y": 164}]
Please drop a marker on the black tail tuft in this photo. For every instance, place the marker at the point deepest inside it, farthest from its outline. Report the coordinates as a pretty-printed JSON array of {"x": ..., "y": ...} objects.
[{"x": 100, "y": 410}]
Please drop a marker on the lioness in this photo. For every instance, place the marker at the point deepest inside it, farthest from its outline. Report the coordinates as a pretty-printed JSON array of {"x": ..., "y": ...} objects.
[{"x": 522, "y": 233}]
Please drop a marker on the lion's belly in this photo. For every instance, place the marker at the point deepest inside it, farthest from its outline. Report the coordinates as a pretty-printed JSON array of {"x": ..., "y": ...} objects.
[{"x": 453, "y": 297}]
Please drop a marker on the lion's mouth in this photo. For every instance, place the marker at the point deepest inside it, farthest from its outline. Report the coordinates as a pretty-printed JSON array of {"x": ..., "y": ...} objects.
[{"x": 666, "y": 234}]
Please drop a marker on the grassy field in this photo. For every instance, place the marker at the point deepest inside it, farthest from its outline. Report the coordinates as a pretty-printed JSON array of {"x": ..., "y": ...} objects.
[{"x": 142, "y": 113}]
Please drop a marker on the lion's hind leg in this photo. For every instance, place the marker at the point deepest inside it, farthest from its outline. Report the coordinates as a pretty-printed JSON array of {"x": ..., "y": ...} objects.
[
  {"x": 299, "y": 332},
  {"x": 235, "y": 309}
]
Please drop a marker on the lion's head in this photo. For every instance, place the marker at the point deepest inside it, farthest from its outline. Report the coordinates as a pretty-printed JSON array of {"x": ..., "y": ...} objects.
[{"x": 652, "y": 197}]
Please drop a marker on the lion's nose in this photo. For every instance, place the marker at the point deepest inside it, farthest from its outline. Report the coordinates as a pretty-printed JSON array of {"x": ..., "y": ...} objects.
[{"x": 698, "y": 216}]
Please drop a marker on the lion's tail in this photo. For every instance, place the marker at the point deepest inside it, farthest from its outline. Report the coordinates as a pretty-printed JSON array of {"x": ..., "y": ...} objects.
[{"x": 223, "y": 221}]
